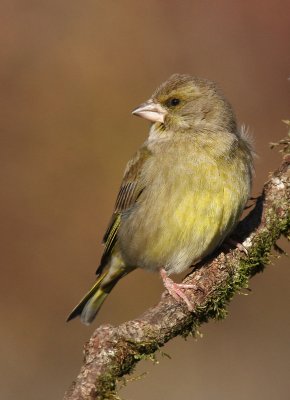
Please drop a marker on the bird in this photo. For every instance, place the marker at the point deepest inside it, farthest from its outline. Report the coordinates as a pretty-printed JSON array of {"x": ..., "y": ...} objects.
[{"x": 182, "y": 193}]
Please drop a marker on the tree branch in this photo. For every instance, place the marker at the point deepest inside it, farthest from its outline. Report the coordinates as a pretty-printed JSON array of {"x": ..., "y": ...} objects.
[{"x": 112, "y": 351}]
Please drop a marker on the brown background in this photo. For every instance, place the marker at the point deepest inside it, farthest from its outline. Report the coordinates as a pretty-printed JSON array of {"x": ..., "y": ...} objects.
[{"x": 71, "y": 71}]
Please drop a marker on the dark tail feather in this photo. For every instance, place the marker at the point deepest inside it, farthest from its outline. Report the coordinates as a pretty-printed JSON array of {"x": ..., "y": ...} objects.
[
  {"x": 79, "y": 308},
  {"x": 93, "y": 300}
]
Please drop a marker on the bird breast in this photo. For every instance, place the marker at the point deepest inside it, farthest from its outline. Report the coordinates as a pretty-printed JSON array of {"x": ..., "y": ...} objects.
[{"x": 190, "y": 203}]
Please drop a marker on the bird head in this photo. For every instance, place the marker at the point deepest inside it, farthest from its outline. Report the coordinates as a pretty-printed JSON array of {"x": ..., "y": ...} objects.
[{"x": 184, "y": 102}]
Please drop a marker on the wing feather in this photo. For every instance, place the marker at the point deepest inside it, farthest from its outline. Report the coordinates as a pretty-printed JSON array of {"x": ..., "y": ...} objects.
[{"x": 129, "y": 192}]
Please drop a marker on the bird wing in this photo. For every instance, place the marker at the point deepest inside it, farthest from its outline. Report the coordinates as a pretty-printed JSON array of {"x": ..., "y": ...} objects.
[{"x": 129, "y": 192}]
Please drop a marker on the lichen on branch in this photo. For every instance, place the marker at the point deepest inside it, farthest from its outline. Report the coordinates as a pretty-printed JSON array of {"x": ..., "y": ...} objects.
[{"x": 112, "y": 352}]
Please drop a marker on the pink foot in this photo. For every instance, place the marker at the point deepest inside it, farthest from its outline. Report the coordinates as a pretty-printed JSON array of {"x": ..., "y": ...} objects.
[
  {"x": 234, "y": 243},
  {"x": 175, "y": 289}
]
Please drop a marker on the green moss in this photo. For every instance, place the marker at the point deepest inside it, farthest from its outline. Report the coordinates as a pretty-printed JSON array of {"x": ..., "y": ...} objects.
[
  {"x": 216, "y": 307},
  {"x": 108, "y": 385}
]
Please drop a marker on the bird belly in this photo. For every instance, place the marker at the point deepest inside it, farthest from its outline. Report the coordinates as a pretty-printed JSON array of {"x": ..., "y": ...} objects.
[{"x": 183, "y": 218}]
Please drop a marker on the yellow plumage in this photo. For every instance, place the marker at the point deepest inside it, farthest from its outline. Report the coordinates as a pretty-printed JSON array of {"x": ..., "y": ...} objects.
[{"x": 182, "y": 193}]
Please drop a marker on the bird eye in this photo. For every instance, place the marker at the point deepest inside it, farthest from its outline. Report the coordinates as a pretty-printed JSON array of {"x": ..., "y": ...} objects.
[{"x": 174, "y": 102}]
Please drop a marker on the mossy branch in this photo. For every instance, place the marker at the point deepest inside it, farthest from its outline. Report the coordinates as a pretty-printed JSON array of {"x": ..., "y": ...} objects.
[{"x": 112, "y": 351}]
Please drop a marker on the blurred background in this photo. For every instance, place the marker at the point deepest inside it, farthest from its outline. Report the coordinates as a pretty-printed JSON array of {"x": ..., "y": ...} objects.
[{"x": 71, "y": 72}]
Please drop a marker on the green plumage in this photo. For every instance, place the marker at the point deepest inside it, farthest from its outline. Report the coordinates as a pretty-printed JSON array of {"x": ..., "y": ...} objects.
[{"x": 182, "y": 193}]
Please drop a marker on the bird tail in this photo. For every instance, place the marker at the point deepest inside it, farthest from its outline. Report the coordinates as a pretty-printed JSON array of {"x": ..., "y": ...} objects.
[{"x": 89, "y": 306}]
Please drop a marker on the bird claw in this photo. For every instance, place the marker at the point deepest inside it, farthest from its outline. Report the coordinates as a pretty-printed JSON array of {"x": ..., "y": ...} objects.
[
  {"x": 234, "y": 243},
  {"x": 242, "y": 248},
  {"x": 175, "y": 289}
]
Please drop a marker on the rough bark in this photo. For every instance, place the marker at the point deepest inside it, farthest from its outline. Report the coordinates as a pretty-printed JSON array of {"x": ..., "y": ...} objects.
[{"x": 112, "y": 351}]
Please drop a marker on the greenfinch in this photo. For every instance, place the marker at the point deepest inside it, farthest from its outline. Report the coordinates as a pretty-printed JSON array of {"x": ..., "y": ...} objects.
[{"x": 182, "y": 193}]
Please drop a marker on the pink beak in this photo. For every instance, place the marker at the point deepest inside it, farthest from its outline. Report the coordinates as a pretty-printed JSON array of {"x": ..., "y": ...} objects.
[{"x": 154, "y": 112}]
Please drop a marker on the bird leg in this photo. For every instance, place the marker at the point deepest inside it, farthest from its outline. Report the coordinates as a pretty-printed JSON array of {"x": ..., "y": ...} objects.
[
  {"x": 175, "y": 289},
  {"x": 231, "y": 242}
]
